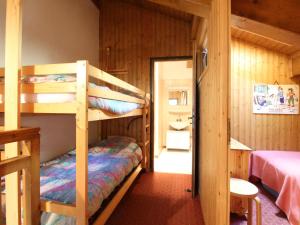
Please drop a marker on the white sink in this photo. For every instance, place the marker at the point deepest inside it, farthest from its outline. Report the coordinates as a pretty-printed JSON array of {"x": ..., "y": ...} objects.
[{"x": 180, "y": 125}]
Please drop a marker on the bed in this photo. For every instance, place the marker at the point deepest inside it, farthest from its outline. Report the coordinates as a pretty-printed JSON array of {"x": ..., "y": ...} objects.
[
  {"x": 110, "y": 163},
  {"x": 108, "y": 105},
  {"x": 73, "y": 88},
  {"x": 56, "y": 88},
  {"x": 280, "y": 171}
]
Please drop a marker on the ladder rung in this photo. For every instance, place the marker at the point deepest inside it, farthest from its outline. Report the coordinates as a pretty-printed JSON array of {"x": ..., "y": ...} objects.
[{"x": 147, "y": 143}]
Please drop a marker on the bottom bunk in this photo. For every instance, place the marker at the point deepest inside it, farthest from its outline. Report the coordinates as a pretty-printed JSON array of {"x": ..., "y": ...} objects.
[{"x": 113, "y": 165}]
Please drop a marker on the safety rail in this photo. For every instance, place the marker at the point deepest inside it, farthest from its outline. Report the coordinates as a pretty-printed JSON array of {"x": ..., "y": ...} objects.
[
  {"x": 84, "y": 73},
  {"x": 28, "y": 161}
]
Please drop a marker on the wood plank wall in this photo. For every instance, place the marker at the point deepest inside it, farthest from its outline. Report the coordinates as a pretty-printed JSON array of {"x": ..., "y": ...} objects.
[
  {"x": 254, "y": 64},
  {"x": 134, "y": 34},
  {"x": 214, "y": 102}
]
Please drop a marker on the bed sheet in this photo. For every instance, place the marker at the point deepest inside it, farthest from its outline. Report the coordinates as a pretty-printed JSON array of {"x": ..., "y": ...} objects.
[
  {"x": 280, "y": 170},
  {"x": 109, "y": 164}
]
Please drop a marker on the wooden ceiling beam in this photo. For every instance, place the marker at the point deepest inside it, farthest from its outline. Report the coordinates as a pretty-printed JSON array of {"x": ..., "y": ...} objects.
[
  {"x": 279, "y": 13},
  {"x": 195, "y": 7},
  {"x": 267, "y": 31},
  {"x": 195, "y": 26},
  {"x": 202, "y": 33},
  {"x": 199, "y": 30}
]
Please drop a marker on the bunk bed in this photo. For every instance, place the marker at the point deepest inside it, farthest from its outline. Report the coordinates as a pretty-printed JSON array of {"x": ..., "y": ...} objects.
[{"x": 72, "y": 88}]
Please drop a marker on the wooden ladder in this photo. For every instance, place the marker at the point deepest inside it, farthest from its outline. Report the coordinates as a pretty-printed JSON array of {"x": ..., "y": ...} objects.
[{"x": 146, "y": 137}]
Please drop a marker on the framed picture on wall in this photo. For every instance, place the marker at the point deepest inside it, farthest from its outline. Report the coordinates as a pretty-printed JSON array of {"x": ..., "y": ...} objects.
[{"x": 276, "y": 99}]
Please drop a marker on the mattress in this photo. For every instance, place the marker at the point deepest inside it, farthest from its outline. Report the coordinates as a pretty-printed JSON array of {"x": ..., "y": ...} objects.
[
  {"x": 109, "y": 163},
  {"x": 280, "y": 170},
  {"x": 112, "y": 106}
]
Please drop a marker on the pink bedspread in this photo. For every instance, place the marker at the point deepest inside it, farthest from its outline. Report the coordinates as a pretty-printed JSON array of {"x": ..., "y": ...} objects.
[{"x": 280, "y": 170}]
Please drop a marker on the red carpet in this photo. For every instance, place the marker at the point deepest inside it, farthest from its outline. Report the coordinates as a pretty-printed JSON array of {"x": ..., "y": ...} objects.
[
  {"x": 158, "y": 199},
  {"x": 271, "y": 214}
]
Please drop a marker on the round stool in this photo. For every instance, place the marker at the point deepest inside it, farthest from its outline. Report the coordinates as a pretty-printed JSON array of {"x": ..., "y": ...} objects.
[{"x": 244, "y": 189}]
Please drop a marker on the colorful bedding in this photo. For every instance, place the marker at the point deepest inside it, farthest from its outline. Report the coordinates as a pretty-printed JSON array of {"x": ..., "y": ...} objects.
[
  {"x": 109, "y": 164},
  {"x": 111, "y": 106},
  {"x": 280, "y": 170}
]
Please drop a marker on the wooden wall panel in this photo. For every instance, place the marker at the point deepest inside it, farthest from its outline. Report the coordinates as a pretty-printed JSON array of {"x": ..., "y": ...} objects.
[
  {"x": 134, "y": 34},
  {"x": 214, "y": 102},
  {"x": 254, "y": 64}
]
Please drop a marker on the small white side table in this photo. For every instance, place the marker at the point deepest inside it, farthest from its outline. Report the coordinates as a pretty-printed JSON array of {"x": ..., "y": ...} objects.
[{"x": 244, "y": 189}]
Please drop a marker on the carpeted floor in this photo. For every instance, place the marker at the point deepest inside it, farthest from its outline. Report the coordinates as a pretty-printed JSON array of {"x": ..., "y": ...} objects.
[
  {"x": 158, "y": 199},
  {"x": 271, "y": 214}
]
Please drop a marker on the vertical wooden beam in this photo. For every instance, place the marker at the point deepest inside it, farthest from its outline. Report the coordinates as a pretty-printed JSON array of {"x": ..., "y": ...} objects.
[
  {"x": 13, "y": 39},
  {"x": 35, "y": 181},
  {"x": 31, "y": 183},
  {"x": 82, "y": 144},
  {"x": 214, "y": 172},
  {"x": 26, "y": 184},
  {"x": 144, "y": 137},
  {"x": 148, "y": 134},
  {"x": 219, "y": 42}
]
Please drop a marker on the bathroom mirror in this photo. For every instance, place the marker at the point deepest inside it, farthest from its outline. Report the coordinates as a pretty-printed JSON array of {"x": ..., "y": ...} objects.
[{"x": 178, "y": 97}]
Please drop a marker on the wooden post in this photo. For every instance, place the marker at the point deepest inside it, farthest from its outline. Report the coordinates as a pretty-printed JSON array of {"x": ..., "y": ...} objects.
[
  {"x": 13, "y": 39},
  {"x": 144, "y": 137},
  {"x": 35, "y": 181},
  {"x": 82, "y": 144},
  {"x": 214, "y": 129},
  {"x": 26, "y": 182},
  {"x": 148, "y": 135},
  {"x": 31, "y": 182}
]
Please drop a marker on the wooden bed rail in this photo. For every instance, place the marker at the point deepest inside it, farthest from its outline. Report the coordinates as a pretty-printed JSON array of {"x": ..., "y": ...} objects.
[
  {"x": 71, "y": 68},
  {"x": 107, "y": 78},
  {"x": 47, "y": 69},
  {"x": 90, "y": 72},
  {"x": 29, "y": 163}
]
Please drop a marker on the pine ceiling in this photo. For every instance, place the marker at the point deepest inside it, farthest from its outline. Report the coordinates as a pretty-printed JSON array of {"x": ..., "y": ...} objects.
[{"x": 284, "y": 14}]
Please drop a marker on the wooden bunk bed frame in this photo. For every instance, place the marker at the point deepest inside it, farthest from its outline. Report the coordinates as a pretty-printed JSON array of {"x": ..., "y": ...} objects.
[
  {"x": 80, "y": 108},
  {"x": 29, "y": 163}
]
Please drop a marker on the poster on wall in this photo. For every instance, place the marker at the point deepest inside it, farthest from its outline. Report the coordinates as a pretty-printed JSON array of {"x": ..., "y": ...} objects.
[{"x": 276, "y": 99}]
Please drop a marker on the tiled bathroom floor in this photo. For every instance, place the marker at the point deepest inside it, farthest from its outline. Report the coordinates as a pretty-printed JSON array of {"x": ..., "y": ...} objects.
[{"x": 174, "y": 161}]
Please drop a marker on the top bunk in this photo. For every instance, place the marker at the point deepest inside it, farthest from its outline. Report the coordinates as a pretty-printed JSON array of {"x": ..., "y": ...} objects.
[{"x": 69, "y": 87}]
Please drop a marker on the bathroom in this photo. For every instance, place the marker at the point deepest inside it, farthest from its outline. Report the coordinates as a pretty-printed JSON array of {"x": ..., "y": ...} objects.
[{"x": 173, "y": 100}]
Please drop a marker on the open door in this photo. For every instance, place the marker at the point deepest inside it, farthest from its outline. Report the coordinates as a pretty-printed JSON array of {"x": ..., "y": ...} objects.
[
  {"x": 169, "y": 154},
  {"x": 194, "y": 118}
]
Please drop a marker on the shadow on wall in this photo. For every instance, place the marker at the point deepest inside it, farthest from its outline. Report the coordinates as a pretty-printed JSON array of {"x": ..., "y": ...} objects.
[
  {"x": 57, "y": 133},
  {"x": 50, "y": 35}
]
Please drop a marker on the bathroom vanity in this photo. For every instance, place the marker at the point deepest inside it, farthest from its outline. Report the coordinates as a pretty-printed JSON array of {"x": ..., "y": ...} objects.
[
  {"x": 179, "y": 110},
  {"x": 178, "y": 139}
]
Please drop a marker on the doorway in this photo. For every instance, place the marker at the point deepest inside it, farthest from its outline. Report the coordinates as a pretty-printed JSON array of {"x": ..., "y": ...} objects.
[{"x": 173, "y": 98}]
